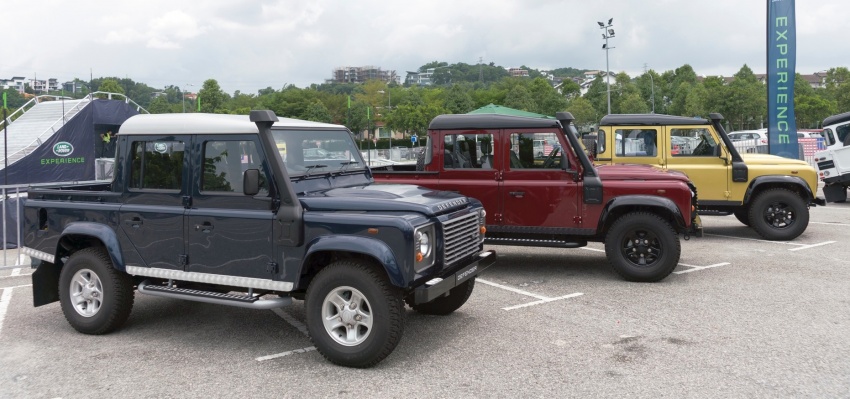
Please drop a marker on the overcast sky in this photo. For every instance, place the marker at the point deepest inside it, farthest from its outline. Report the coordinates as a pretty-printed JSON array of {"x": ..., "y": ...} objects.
[{"x": 248, "y": 45}]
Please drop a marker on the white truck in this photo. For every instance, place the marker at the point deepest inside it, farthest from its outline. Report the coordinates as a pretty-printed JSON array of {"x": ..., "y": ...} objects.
[{"x": 834, "y": 162}]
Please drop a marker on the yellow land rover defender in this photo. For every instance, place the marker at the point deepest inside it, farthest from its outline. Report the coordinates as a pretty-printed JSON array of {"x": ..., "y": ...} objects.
[{"x": 769, "y": 193}]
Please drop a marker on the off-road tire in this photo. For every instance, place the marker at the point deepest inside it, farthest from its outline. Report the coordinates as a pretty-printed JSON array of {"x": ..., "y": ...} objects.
[
  {"x": 658, "y": 242},
  {"x": 383, "y": 305},
  {"x": 446, "y": 304},
  {"x": 779, "y": 214},
  {"x": 89, "y": 274},
  {"x": 743, "y": 215}
]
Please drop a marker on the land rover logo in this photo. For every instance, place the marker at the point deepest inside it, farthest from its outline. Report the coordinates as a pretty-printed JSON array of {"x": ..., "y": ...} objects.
[
  {"x": 63, "y": 149},
  {"x": 160, "y": 147}
]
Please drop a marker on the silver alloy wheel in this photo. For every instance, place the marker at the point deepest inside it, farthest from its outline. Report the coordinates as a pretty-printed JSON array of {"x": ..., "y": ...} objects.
[
  {"x": 347, "y": 316},
  {"x": 86, "y": 292}
]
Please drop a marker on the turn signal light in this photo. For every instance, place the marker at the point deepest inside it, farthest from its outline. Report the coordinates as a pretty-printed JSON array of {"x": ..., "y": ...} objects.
[
  {"x": 483, "y": 230},
  {"x": 419, "y": 257}
]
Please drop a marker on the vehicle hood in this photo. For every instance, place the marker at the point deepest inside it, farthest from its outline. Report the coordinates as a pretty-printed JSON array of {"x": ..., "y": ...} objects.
[
  {"x": 768, "y": 159},
  {"x": 638, "y": 172},
  {"x": 385, "y": 198}
]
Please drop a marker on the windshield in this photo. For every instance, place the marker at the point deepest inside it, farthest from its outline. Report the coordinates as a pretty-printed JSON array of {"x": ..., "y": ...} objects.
[{"x": 317, "y": 151}]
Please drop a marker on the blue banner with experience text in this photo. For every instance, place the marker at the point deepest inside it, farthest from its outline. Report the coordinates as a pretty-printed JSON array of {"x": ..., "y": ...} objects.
[{"x": 781, "y": 68}]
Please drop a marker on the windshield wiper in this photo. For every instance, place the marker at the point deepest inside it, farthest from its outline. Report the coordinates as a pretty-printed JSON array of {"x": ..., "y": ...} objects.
[
  {"x": 346, "y": 164},
  {"x": 311, "y": 167}
]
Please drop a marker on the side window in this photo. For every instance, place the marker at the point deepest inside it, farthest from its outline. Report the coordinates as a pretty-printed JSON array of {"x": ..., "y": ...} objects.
[
  {"x": 636, "y": 142},
  {"x": 534, "y": 151},
  {"x": 600, "y": 140},
  {"x": 830, "y": 138},
  {"x": 843, "y": 132},
  {"x": 224, "y": 165},
  {"x": 468, "y": 151},
  {"x": 693, "y": 142},
  {"x": 157, "y": 165}
]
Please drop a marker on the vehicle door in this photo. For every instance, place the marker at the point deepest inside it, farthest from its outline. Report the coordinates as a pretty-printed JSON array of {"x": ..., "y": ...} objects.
[
  {"x": 155, "y": 193},
  {"x": 536, "y": 191},
  {"x": 229, "y": 233},
  {"x": 635, "y": 145},
  {"x": 703, "y": 157},
  {"x": 471, "y": 168}
]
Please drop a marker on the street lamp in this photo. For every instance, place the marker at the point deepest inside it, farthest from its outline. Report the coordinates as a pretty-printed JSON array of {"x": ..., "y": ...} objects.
[
  {"x": 652, "y": 86},
  {"x": 389, "y": 107},
  {"x": 184, "y": 97},
  {"x": 607, "y": 32}
]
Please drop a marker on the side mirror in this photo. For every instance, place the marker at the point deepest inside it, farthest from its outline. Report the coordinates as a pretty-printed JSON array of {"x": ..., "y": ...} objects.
[{"x": 251, "y": 182}]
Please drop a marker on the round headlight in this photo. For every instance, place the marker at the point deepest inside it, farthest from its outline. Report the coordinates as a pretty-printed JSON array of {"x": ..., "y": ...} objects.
[{"x": 423, "y": 241}]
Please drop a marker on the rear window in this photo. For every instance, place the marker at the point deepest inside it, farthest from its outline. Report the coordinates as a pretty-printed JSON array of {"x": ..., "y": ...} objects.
[{"x": 157, "y": 165}]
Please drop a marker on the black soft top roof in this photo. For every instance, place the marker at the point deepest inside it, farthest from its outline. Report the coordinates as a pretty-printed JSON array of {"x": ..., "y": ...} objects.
[
  {"x": 489, "y": 121},
  {"x": 836, "y": 119},
  {"x": 650, "y": 119}
]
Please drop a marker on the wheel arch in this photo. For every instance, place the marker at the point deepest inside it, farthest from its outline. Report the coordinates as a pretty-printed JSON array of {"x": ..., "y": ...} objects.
[
  {"x": 325, "y": 250},
  {"x": 792, "y": 183},
  {"x": 661, "y": 206},
  {"x": 76, "y": 236}
]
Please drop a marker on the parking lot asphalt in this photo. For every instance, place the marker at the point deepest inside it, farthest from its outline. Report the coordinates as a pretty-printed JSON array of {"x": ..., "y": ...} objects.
[{"x": 740, "y": 317}]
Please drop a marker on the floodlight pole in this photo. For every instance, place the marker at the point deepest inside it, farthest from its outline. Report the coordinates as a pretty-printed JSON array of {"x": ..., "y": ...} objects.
[{"x": 607, "y": 33}]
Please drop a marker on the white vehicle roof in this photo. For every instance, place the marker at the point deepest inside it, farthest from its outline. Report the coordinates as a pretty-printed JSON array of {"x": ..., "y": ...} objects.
[{"x": 197, "y": 123}]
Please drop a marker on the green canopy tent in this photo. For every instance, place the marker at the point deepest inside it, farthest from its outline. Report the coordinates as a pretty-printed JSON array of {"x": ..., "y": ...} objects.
[{"x": 500, "y": 110}]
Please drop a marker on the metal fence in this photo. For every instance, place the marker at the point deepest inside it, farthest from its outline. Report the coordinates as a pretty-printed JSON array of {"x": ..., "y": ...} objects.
[{"x": 12, "y": 212}]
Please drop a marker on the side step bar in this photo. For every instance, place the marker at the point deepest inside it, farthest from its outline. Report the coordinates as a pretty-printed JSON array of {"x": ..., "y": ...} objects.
[
  {"x": 530, "y": 242},
  {"x": 242, "y": 301}
]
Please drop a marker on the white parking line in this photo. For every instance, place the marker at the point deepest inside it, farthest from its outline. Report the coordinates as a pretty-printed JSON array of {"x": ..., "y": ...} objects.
[
  {"x": 294, "y": 323},
  {"x": 4, "y": 304},
  {"x": 542, "y": 299},
  {"x": 831, "y": 224},
  {"x": 802, "y": 246},
  {"x": 292, "y": 352},
  {"x": 694, "y": 268}
]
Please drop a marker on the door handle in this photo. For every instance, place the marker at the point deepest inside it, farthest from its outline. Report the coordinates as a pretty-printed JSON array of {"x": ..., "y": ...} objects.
[
  {"x": 517, "y": 194},
  {"x": 205, "y": 228},
  {"x": 134, "y": 222}
]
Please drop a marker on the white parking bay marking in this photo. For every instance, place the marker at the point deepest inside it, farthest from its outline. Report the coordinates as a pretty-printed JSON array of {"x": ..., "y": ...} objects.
[
  {"x": 592, "y": 249},
  {"x": 294, "y": 323},
  {"x": 4, "y": 305},
  {"x": 292, "y": 352},
  {"x": 831, "y": 224},
  {"x": 811, "y": 246},
  {"x": 542, "y": 299},
  {"x": 800, "y": 246},
  {"x": 694, "y": 268}
]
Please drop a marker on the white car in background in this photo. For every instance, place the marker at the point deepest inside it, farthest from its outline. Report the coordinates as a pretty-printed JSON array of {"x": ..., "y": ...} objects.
[{"x": 746, "y": 141}]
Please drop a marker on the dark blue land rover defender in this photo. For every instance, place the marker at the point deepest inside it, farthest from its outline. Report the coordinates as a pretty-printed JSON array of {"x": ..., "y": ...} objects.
[{"x": 254, "y": 212}]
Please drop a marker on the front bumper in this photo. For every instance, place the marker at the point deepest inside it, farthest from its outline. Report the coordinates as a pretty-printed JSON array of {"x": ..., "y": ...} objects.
[{"x": 434, "y": 288}]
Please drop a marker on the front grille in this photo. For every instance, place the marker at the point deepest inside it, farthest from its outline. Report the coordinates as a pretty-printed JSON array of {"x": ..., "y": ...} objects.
[
  {"x": 462, "y": 238},
  {"x": 824, "y": 165}
]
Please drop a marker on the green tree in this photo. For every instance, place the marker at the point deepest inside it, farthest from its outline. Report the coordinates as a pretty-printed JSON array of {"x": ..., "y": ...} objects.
[
  {"x": 570, "y": 89},
  {"x": 696, "y": 102},
  {"x": 811, "y": 110},
  {"x": 458, "y": 100},
  {"x": 159, "y": 105},
  {"x": 584, "y": 113},
  {"x": 520, "y": 98},
  {"x": 317, "y": 112},
  {"x": 110, "y": 86},
  {"x": 547, "y": 99},
  {"x": 746, "y": 100},
  {"x": 14, "y": 100},
  {"x": 632, "y": 103},
  {"x": 212, "y": 98}
]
